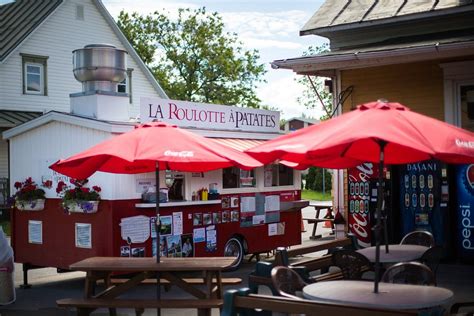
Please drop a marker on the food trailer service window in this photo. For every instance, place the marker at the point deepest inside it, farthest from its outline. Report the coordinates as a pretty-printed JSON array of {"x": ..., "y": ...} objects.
[
  {"x": 278, "y": 175},
  {"x": 237, "y": 178}
]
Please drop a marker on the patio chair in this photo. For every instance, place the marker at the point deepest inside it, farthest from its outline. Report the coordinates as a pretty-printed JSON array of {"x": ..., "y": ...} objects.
[
  {"x": 409, "y": 273},
  {"x": 352, "y": 264},
  {"x": 432, "y": 257},
  {"x": 462, "y": 309},
  {"x": 287, "y": 282},
  {"x": 419, "y": 237}
]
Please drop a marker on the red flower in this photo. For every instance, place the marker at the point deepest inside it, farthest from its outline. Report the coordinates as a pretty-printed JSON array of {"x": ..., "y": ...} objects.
[
  {"x": 60, "y": 186},
  {"x": 48, "y": 184},
  {"x": 17, "y": 185},
  {"x": 96, "y": 188},
  {"x": 85, "y": 190}
]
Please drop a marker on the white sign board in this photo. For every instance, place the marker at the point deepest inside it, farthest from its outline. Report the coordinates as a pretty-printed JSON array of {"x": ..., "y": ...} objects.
[{"x": 209, "y": 116}]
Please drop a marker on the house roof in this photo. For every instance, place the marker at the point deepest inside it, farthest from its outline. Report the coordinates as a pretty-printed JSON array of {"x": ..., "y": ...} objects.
[
  {"x": 18, "y": 19},
  {"x": 303, "y": 119},
  {"x": 103, "y": 125},
  {"x": 344, "y": 14},
  {"x": 21, "y": 18},
  {"x": 14, "y": 118},
  {"x": 325, "y": 63}
]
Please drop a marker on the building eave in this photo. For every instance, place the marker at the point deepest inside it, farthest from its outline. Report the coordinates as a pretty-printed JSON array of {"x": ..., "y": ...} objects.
[
  {"x": 371, "y": 58},
  {"x": 54, "y": 116}
]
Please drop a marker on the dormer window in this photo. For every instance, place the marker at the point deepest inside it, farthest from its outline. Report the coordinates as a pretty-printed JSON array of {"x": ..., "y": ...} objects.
[{"x": 34, "y": 74}]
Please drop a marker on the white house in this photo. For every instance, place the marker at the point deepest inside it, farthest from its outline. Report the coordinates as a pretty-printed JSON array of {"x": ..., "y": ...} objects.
[{"x": 36, "y": 43}]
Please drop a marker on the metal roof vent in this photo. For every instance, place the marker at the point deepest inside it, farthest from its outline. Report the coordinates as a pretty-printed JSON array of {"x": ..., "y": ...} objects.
[{"x": 100, "y": 67}]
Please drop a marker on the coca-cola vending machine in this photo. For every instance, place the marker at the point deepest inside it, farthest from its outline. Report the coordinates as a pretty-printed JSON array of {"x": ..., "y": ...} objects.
[
  {"x": 465, "y": 212},
  {"x": 362, "y": 200},
  {"x": 424, "y": 199}
]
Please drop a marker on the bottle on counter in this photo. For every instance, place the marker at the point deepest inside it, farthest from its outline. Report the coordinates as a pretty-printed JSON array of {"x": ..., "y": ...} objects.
[
  {"x": 205, "y": 194},
  {"x": 193, "y": 197}
]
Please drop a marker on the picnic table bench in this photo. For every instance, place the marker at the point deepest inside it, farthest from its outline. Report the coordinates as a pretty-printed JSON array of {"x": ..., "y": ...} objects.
[
  {"x": 243, "y": 302},
  {"x": 262, "y": 273},
  {"x": 86, "y": 305}
]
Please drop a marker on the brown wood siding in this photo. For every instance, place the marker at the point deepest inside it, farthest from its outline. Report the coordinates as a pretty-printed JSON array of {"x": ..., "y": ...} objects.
[{"x": 416, "y": 85}]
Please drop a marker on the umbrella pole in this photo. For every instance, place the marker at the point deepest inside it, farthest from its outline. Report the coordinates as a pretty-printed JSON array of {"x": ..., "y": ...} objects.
[
  {"x": 158, "y": 230},
  {"x": 378, "y": 226}
]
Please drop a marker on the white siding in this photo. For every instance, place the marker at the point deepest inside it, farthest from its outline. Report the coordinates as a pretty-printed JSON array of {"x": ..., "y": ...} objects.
[
  {"x": 3, "y": 159},
  {"x": 56, "y": 38},
  {"x": 33, "y": 151}
]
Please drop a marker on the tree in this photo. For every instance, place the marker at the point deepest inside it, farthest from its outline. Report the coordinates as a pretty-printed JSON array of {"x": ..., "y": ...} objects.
[
  {"x": 310, "y": 98},
  {"x": 314, "y": 179},
  {"x": 193, "y": 58}
]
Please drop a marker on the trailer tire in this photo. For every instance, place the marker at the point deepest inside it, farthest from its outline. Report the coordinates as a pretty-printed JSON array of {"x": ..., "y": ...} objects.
[{"x": 234, "y": 248}]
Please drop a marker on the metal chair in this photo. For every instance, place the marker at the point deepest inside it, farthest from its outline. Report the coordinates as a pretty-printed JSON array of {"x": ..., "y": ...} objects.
[
  {"x": 432, "y": 257},
  {"x": 419, "y": 237},
  {"x": 287, "y": 282},
  {"x": 351, "y": 263},
  {"x": 409, "y": 273}
]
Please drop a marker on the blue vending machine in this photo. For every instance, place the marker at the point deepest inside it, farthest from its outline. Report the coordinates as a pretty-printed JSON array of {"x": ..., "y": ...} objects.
[
  {"x": 465, "y": 212},
  {"x": 424, "y": 198}
]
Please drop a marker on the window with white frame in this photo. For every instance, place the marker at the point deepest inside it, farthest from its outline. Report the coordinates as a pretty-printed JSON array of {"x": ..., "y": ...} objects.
[
  {"x": 125, "y": 86},
  {"x": 34, "y": 74}
]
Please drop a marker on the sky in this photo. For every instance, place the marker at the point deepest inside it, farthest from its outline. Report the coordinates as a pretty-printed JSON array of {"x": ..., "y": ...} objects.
[{"x": 270, "y": 26}]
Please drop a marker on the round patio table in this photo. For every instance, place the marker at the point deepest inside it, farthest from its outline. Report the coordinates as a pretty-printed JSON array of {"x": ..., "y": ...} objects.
[
  {"x": 397, "y": 253},
  {"x": 390, "y": 296}
]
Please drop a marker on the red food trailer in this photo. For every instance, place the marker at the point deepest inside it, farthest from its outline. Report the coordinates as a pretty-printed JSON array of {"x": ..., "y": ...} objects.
[{"x": 222, "y": 212}]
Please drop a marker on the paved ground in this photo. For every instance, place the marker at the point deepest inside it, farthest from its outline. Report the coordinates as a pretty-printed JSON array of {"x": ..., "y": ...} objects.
[{"x": 48, "y": 286}]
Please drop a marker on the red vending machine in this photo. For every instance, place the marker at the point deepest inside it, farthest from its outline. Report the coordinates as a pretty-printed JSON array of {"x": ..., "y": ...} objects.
[{"x": 362, "y": 202}]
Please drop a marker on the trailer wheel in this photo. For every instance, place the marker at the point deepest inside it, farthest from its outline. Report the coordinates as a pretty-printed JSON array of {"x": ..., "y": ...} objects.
[{"x": 233, "y": 248}]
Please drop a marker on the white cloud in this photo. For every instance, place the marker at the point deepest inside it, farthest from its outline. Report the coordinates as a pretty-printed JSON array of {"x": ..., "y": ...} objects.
[
  {"x": 145, "y": 7},
  {"x": 281, "y": 93},
  {"x": 255, "y": 43}
]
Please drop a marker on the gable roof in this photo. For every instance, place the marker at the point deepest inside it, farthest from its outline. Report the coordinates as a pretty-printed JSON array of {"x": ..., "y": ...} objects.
[
  {"x": 339, "y": 14},
  {"x": 21, "y": 18},
  {"x": 18, "y": 19}
]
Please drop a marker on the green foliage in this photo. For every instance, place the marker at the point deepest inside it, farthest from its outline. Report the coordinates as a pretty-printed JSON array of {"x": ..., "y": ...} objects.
[
  {"x": 6, "y": 226},
  {"x": 193, "y": 58},
  {"x": 77, "y": 193},
  {"x": 315, "y": 195},
  {"x": 314, "y": 179},
  {"x": 28, "y": 190},
  {"x": 309, "y": 98}
]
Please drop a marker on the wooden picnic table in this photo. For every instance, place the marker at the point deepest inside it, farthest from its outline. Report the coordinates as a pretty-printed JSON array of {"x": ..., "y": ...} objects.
[
  {"x": 316, "y": 219},
  {"x": 171, "y": 269}
]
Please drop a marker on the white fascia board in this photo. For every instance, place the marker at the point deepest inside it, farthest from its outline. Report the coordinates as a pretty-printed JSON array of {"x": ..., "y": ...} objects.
[
  {"x": 69, "y": 119},
  {"x": 110, "y": 20},
  {"x": 31, "y": 33},
  {"x": 362, "y": 59}
]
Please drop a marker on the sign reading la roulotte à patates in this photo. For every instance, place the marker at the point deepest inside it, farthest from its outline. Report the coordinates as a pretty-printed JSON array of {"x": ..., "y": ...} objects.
[{"x": 209, "y": 116}]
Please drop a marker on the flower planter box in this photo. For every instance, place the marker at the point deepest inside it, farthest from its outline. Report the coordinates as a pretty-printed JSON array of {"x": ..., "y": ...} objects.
[
  {"x": 86, "y": 207},
  {"x": 33, "y": 205}
]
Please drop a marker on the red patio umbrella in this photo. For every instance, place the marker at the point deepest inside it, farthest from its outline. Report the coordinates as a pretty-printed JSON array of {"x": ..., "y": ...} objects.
[
  {"x": 151, "y": 147},
  {"x": 375, "y": 132}
]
